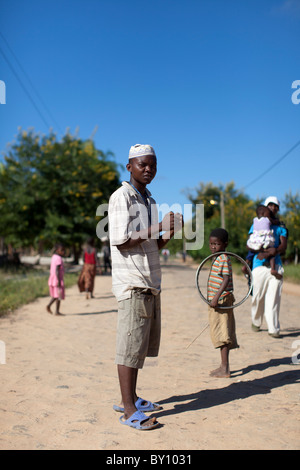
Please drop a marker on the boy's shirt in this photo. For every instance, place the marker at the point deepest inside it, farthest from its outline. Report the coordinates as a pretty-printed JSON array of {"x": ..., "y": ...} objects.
[
  {"x": 138, "y": 266},
  {"x": 278, "y": 231},
  {"x": 220, "y": 266}
]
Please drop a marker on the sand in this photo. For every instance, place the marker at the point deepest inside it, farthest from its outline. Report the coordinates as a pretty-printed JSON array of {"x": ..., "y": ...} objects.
[{"x": 59, "y": 382}]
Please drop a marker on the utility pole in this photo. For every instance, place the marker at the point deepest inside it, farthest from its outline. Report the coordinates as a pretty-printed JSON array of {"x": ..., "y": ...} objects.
[{"x": 222, "y": 209}]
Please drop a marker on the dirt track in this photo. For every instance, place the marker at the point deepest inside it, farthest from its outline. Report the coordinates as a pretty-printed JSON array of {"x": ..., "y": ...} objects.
[{"x": 59, "y": 382}]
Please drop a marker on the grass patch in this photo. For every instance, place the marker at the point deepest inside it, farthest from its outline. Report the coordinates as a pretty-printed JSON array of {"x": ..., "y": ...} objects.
[
  {"x": 292, "y": 273},
  {"x": 20, "y": 289}
]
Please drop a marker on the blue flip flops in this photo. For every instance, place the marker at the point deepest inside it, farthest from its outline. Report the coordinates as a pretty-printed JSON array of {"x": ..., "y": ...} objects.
[
  {"x": 136, "y": 421},
  {"x": 147, "y": 406}
]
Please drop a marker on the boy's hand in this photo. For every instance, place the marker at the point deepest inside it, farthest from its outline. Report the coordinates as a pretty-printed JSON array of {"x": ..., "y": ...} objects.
[{"x": 214, "y": 302}]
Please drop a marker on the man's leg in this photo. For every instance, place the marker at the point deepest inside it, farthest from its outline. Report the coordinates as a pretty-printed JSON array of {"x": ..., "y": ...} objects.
[
  {"x": 260, "y": 284},
  {"x": 128, "y": 379},
  {"x": 272, "y": 305}
]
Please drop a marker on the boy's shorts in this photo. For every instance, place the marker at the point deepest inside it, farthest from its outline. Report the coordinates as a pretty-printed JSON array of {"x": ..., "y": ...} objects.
[
  {"x": 222, "y": 324},
  {"x": 139, "y": 327}
]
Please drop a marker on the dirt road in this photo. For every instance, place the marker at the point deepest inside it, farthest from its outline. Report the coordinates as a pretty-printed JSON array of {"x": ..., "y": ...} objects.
[{"x": 59, "y": 382}]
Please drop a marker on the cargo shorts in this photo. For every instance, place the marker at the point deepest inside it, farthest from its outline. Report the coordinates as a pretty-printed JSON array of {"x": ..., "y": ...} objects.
[{"x": 138, "y": 328}]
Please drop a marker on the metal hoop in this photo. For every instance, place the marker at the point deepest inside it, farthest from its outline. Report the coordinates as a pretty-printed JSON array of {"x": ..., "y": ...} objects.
[{"x": 242, "y": 261}]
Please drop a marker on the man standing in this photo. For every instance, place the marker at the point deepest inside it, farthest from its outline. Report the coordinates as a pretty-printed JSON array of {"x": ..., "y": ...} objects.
[
  {"x": 266, "y": 287},
  {"x": 136, "y": 279}
]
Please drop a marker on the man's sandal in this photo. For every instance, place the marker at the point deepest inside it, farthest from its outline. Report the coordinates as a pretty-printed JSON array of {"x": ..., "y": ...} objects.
[
  {"x": 141, "y": 405},
  {"x": 137, "y": 419}
]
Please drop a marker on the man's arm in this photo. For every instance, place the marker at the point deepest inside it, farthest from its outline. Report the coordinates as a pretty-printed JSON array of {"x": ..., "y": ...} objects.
[
  {"x": 272, "y": 251},
  {"x": 170, "y": 224}
]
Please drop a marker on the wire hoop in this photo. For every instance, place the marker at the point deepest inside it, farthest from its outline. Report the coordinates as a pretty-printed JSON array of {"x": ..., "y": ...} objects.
[{"x": 235, "y": 256}]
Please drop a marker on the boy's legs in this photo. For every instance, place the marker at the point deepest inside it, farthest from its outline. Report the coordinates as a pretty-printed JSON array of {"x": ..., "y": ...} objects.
[
  {"x": 223, "y": 370},
  {"x": 223, "y": 335}
]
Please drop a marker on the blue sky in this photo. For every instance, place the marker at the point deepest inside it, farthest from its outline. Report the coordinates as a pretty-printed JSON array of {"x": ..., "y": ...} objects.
[{"x": 206, "y": 82}]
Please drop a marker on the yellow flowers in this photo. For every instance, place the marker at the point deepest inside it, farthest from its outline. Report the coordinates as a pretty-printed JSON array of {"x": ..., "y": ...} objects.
[{"x": 97, "y": 194}]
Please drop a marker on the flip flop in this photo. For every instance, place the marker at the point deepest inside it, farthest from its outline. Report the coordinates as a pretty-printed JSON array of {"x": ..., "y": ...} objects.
[
  {"x": 136, "y": 421},
  {"x": 148, "y": 406}
]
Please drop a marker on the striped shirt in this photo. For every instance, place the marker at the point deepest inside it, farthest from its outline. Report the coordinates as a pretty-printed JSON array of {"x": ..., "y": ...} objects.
[
  {"x": 221, "y": 266},
  {"x": 138, "y": 266}
]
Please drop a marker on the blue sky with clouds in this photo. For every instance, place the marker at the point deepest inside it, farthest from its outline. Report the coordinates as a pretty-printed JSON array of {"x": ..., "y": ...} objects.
[{"x": 208, "y": 83}]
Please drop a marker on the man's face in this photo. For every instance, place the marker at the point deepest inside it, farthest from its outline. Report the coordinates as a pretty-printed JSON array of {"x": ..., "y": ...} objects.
[
  {"x": 273, "y": 208},
  {"x": 142, "y": 169}
]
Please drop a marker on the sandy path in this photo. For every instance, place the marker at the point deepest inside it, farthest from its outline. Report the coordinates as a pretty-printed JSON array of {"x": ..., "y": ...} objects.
[{"x": 59, "y": 381}]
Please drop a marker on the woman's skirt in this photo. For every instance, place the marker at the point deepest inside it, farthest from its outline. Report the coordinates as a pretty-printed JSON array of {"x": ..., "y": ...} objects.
[{"x": 87, "y": 278}]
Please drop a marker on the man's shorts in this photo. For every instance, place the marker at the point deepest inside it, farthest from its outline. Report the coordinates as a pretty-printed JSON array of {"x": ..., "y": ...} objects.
[{"x": 139, "y": 327}]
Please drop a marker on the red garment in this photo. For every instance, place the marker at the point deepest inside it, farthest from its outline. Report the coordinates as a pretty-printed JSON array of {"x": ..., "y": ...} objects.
[{"x": 90, "y": 258}]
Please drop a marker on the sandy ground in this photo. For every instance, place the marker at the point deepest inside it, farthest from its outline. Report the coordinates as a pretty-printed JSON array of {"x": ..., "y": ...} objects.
[{"x": 59, "y": 382}]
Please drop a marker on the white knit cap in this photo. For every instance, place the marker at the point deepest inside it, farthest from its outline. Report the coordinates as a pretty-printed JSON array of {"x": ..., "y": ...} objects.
[
  {"x": 139, "y": 150},
  {"x": 272, "y": 200}
]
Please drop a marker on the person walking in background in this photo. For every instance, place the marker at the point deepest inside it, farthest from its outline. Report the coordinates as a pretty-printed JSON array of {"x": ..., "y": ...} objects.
[
  {"x": 56, "y": 279},
  {"x": 106, "y": 256},
  {"x": 262, "y": 235},
  {"x": 266, "y": 287},
  {"x": 87, "y": 276}
]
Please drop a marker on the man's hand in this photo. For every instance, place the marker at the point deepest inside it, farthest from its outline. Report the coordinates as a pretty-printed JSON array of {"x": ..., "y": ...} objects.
[
  {"x": 172, "y": 222},
  {"x": 178, "y": 222},
  {"x": 267, "y": 253},
  {"x": 167, "y": 224}
]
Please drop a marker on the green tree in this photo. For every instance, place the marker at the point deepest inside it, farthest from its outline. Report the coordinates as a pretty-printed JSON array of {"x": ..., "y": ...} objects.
[
  {"x": 238, "y": 209},
  {"x": 292, "y": 220},
  {"x": 50, "y": 189}
]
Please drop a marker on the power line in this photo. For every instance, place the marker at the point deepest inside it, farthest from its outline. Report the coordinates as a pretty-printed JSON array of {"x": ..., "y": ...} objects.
[
  {"x": 274, "y": 164},
  {"x": 24, "y": 89},
  {"x": 31, "y": 84}
]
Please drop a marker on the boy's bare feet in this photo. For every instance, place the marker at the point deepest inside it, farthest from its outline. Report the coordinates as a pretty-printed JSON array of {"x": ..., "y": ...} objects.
[
  {"x": 49, "y": 309},
  {"x": 276, "y": 274},
  {"x": 221, "y": 372}
]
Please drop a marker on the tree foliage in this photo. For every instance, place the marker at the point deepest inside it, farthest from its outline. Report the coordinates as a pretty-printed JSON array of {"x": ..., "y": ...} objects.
[
  {"x": 239, "y": 211},
  {"x": 50, "y": 189},
  {"x": 292, "y": 219}
]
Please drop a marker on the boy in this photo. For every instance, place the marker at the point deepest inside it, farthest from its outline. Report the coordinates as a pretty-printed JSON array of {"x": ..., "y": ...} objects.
[
  {"x": 220, "y": 292},
  {"x": 136, "y": 278}
]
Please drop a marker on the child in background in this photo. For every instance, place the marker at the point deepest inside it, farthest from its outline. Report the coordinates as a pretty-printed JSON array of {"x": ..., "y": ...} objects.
[
  {"x": 262, "y": 236},
  {"x": 56, "y": 279},
  {"x": 220, "y": 293}
]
